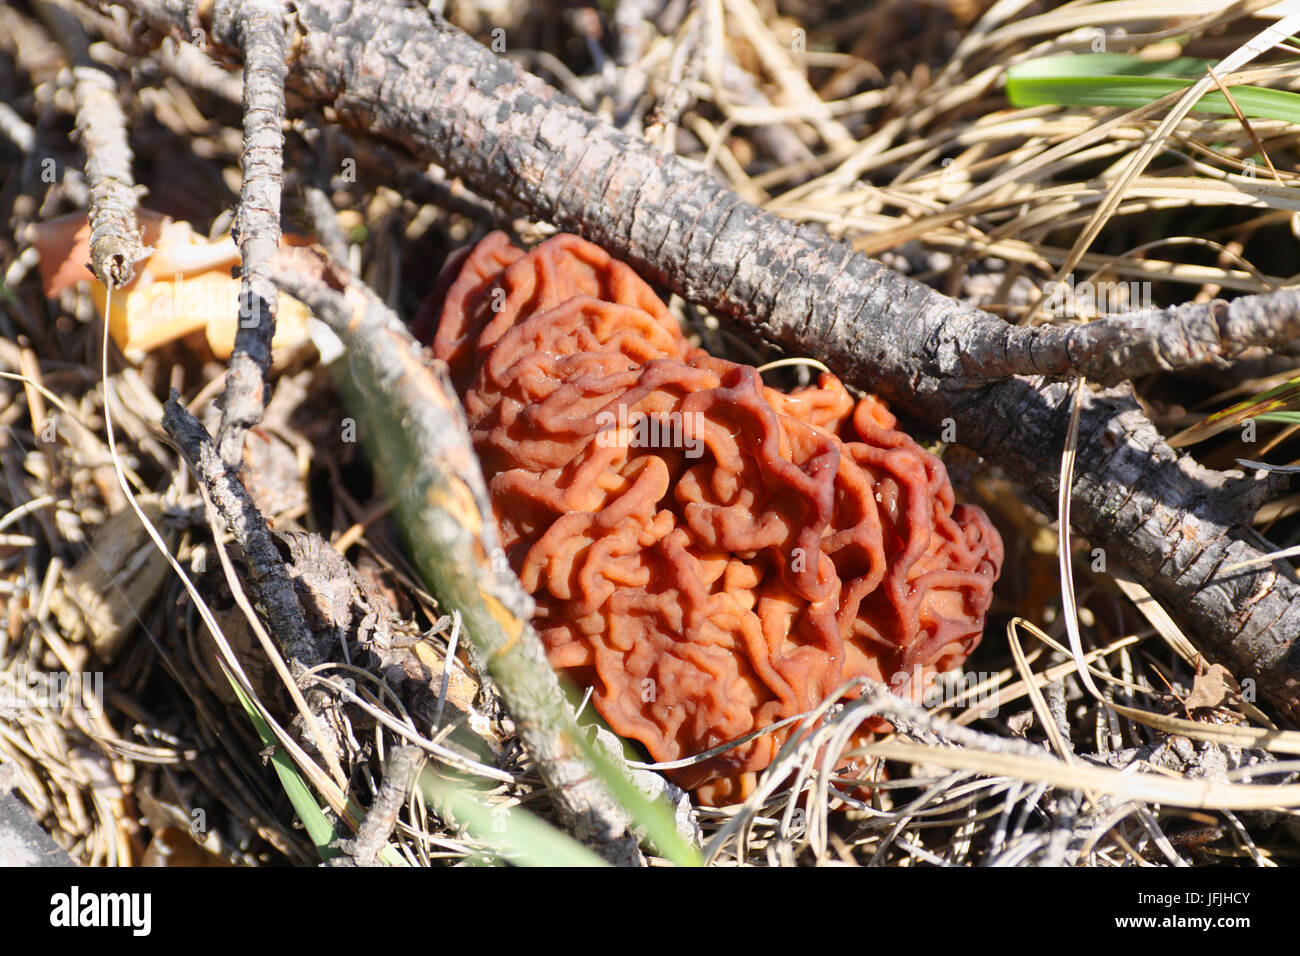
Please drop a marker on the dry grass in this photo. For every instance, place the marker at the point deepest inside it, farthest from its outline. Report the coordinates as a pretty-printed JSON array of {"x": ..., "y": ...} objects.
[{"x": 889, "y": 127}]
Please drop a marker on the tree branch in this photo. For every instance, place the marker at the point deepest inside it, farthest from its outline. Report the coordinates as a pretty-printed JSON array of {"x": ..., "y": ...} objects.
[
  {"x": 400, "y": 773},
  {"x": 970, "y": 349},
  {"x": 266, "y": 572}
]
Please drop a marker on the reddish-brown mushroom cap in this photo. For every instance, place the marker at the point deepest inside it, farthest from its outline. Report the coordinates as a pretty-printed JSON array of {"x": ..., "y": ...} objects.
[{"x": 709, "y": 555}]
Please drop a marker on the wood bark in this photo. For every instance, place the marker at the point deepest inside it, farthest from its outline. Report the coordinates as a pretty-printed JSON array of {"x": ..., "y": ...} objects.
[
  {"x": 402, "y": 76},
  {"x": 400, "y": 773},
  {"x": 267, "y": 576}
]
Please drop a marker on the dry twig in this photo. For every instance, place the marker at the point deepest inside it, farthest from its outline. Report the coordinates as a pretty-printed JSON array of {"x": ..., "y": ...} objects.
[
  {"x": 259, "y": 25},
  {"x": 115, "y": 244}
]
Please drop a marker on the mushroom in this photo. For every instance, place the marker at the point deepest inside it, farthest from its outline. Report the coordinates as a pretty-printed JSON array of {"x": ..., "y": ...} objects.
[
  {"x": 708, "y": 554},
  {"x": 184, "y": 286}
]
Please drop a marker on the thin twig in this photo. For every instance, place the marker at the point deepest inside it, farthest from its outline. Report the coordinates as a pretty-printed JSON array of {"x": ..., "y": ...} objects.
[
  {"x": 115, "y": 238},
  {"x": 403, "y": 766},
  {"x": 262, "y": 40},
  {"x": 267, "y": 575},
  {"x": 266, "y": 571},
  {"x": 1111, "y": 350},
  {"x": 325, "y": 221}
]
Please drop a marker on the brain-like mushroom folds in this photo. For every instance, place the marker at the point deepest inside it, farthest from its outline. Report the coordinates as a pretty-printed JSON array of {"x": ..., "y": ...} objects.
[{"x": 708, "y": 554}]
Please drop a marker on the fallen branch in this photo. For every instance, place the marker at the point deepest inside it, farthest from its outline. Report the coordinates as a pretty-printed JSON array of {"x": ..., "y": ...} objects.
[
  {"x": 407, "y": 78},
  {"x": 266, "y": 572},
  {"x": 267, "y": 576}
]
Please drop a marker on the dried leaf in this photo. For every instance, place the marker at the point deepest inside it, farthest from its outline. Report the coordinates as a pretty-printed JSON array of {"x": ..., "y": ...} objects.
[
  {"x": 184, "y": 286},
  {"x": 1262, "y": 404},
  {"x": 1211, "y": 688}
]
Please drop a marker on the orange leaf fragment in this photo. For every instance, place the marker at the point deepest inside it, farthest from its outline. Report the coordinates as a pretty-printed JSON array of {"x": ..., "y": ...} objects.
[{"x": 184, "y": 286}]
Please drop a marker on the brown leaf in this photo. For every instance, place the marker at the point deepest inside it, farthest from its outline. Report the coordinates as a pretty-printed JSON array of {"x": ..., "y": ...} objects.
[{"x": 1211, "y": 688}]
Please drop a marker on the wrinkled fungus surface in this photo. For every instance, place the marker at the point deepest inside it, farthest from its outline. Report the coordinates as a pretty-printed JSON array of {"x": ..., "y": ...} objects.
[{"x": 708, "y": 554}]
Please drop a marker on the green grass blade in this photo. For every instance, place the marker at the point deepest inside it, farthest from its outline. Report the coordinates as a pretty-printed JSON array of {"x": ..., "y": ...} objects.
[
  {"x": 319, "y": 829},
  {"x": 516, "y": 836},
  {"x": 653, "y": 817},
  {"x": 1285, "y": 418},
  {"x": 1117, "y": 79}
]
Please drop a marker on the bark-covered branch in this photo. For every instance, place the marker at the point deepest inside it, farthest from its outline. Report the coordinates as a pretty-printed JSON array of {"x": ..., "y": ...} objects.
[
  {"x": 267, "y": 576},
  {"x": 403, "y": 77},
  {"x": 266, "y": 573},
  {"x": 259, "y": 25},
  {"x": 115, "y": 244},
  {"x": 971, "y": 349}
]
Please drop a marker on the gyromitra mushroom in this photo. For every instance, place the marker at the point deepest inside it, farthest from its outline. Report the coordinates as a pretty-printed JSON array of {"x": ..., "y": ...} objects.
[
  {"x": 708, "y": 554},
  {"x": 185, "y": 285}
]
